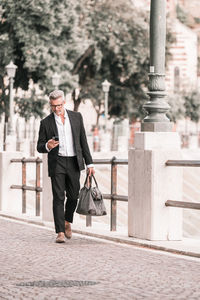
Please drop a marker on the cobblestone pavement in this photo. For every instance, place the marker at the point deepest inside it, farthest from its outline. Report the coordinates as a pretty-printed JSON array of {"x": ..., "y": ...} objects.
[{"x": 33, "y": 266}]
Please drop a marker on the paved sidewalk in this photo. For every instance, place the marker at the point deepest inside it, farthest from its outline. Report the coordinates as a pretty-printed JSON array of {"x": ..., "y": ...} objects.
[
  {"x": 187, "y": 246},
  {"x": 33, "y": 266}
]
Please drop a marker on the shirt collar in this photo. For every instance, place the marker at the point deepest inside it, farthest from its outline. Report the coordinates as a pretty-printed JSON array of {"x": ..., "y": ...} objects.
[{"x": 58, "y": 118}]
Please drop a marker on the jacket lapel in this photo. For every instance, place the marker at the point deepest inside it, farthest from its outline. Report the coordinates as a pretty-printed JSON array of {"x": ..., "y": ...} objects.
[
  {"x": 73, "y": 122},
  {"x": 53, "y": 124}
]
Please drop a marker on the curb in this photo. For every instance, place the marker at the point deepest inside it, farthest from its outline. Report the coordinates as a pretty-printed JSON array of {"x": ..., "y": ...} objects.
[{"x": 139, "y": 244}]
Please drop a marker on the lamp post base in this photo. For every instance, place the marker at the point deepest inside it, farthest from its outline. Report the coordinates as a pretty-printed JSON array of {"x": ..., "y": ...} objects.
[{"x": 157, "y": 126}]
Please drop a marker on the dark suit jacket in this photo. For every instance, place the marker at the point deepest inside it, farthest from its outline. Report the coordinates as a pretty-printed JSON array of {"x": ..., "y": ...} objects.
[{"x": 48, "y": 129}]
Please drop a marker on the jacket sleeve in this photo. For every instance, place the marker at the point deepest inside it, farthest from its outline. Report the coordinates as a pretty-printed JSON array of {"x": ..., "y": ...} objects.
[
  {"x": 42, "y": 139},
  {"x": 84, "y": 144}
]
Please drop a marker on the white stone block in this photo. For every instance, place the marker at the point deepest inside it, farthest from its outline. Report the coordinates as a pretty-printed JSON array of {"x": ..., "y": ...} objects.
[
  {"x": 105, "y": 142},
  {"x": 193, "y": 143},
  {"x": 122, "y": 143},
  {"x": 10, "y": 143},
  {"x": 10, "y": 174},
  {"x": 25, "y": 147},
  {"x": 47, "y": 197},
  {"x": 156, "y": 140},
  {"x": 151, "y": 184}
]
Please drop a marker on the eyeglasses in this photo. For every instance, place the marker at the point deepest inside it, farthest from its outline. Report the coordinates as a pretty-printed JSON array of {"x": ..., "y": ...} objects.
[{"x": 56, "y": 106}]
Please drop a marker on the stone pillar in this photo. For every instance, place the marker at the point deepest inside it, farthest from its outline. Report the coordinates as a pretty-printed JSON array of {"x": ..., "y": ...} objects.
[
  {"x": 10, "y": 143},
  {"x": 151, "y": 184},
  {"x": 25, "y": 146},
  {"x": 10, "y": 173},
  {"x": 105, "y": 142},
  {"x": 122, "y": 142},
  {"x": 47, "y": 197}
]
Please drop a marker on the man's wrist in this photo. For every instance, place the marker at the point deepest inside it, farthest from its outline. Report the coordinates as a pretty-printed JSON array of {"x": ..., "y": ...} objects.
[
  {"x": 90, "y": 166},
  {"x": 46, "y": 146}
]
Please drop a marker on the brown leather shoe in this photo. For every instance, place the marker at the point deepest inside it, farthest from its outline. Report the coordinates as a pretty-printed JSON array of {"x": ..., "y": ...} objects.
[
  {"x": 60, "y": 237},
  {"x": 68, "y": 230}
]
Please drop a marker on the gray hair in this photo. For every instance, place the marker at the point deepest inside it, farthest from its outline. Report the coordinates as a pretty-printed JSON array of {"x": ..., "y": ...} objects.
[{"x": 56, "y": 94}]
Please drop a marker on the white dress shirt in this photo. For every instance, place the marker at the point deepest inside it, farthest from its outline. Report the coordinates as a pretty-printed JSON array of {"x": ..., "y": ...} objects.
[{"x": 66, "y": 143}]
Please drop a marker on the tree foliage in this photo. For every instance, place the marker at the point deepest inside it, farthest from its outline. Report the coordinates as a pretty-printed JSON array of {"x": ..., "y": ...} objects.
[
  {"x": 38, "y": 35},
  {"x": 42, "y": 34},
  {"x": 177, "y": 107},
  {"x": 27, "y": 107},
  {"x": 86, "y": 42},
  {"x": 118, "y": 51},
  {"x": 192, "y": 105},
  {"x": 182, "y": 15},
  {"x": 184, "y": 105}
]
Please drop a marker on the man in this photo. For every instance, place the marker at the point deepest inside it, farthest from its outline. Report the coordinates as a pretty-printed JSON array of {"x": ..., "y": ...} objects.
[{"x": 62, "y": 136}]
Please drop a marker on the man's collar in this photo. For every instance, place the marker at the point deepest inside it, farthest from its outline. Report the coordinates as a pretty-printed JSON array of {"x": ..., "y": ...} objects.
[{"x": 58, "y": 117}]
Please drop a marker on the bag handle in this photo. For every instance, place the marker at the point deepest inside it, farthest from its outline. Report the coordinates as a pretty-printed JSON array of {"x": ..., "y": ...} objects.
[
  {"x": 89, "y": 180},
  {"x": 94, "y": 180}
]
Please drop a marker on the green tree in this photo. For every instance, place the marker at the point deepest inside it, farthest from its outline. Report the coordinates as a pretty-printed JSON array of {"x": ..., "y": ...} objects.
[
  {"x": 27, "y": 107},
  {"x": 182, "y": 15},
  {"x": 177, "y": 107},
  {"x": 97, "y": 39},
  {"x": 117, "y": 34},
  {"x": 118, "y": 51},
  {"x": 39, "y": 36},
  {"x": 192, "y": 105}
]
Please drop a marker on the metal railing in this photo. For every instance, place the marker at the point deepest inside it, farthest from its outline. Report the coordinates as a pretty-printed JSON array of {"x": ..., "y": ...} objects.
[
  {"x": 37, "y": 188},
  {"x": 183, "y": 163},
  {"x": 113, "y": 196}
]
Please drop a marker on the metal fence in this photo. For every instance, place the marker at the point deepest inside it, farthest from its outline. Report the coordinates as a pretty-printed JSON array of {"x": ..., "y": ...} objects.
[
  {"x": 24, "y": 187},
  {"x": 113, "y": 196},
  {"x": 38, "y": 189},
  {"x": 183, "y": 163}
]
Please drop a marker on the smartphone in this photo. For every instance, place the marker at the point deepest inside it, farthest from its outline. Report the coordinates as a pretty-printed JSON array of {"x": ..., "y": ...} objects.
[{"x": 55, "y": 138}]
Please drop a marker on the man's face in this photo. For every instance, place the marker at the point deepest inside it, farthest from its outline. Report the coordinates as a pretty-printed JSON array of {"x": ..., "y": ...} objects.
[{"x": 57, "y": 106}]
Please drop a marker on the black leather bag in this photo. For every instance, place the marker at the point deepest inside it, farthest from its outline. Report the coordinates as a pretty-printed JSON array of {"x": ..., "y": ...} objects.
[{"x": 90, "y": 199}]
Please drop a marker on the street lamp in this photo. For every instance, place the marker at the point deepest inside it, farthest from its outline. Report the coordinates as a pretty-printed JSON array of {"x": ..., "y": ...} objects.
[
  {"x": 11, "y": 69},
  {"x": 56, "y": 80},
  {"x": 106, "y": 86}
]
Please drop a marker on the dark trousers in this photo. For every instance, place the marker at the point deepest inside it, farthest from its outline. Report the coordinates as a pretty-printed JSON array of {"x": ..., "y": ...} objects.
[{"x": 66, "y": 182}]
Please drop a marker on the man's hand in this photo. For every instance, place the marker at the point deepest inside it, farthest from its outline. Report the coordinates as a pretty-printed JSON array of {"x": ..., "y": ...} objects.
[
  {"x": 52, "y": 144},
  {"x": 90, "y": 171}
]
